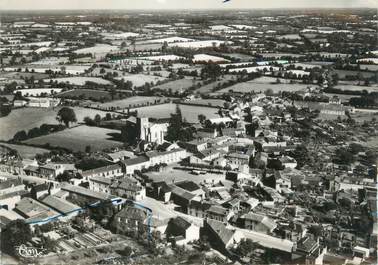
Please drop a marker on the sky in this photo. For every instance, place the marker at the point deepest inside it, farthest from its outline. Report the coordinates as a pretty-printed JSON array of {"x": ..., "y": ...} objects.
[{"x": 181, "y": 4}]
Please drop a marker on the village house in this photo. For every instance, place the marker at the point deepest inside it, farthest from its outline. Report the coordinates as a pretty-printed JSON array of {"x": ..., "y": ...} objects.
[
  {"x": 99, "y": 184},
  {"x": 220, "y": 237},
  {"x": 182, "y": 231},
  {"x": 118, "y": 156},
  {"x": 111, "y": 171},
  {"x": 128, "y": 188},
  {"x": 259, "y": 223},
  {"x": 34, "y": 212},
  {"x": 133, "y": 164},
  {"x": 218, "y": 213}
]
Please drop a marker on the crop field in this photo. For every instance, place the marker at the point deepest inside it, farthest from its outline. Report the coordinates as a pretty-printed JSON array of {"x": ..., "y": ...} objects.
[
  {"x": 263, "y": 84},
  {"x": 177, "y": 85},
  {"x": 343, "y": 73},
  {"x": 208, "y": 102},
  {"x": 369, "y": 89},
  {"x": 28, "y": 118},
  {"x": 209, "y": 87},
  {"x": 141, "y": 79},
  {"x": 27, "y": 152},
  {"x": 131, "y": 102},
  {"x": 164, "y": 111},
  {"x": 77, "y": 138},
  {"x": 21, "y": 75},
  {"x": 80, "y": 80},
  {"x": 86, "y": 93}
]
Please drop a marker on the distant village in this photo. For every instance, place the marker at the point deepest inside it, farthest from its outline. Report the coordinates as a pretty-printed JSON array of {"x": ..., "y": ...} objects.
[{"x": 204, "y": 137}]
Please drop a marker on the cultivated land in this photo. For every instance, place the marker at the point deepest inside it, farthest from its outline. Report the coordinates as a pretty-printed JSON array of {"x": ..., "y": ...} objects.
[
  {"x": 141, "y": 79},
  {"x": 25, "y": 151},
  {"x": 80, "y": 80},
  {"x": 131, "y": 102},
  {"x": 164, "y": 111},
  {"x": 178, "y": 85},
  {"x": 77, "y": 138},
  {"x": 28, "y": 118},
  {"x": 86, "y": 94},
  {"x": 263, "y": 84}
]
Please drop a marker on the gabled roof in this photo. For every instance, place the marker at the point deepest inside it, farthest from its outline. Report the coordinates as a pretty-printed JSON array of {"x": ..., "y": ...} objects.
[
  {"x": 224, "y": 234},
  {"x": 217, "y": 210},
  {"x": 136, "y": 160},
  {"x": 59, "y": 204}
]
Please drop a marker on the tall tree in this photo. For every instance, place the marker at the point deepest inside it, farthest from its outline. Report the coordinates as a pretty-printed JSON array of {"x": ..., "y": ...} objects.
[
  {"x": 66, "y": 115},
  {"x": 14, "y": 234}
]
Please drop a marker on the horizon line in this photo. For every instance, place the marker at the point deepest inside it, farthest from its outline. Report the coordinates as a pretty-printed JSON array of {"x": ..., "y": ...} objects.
[{"x": 189, "y": 9}]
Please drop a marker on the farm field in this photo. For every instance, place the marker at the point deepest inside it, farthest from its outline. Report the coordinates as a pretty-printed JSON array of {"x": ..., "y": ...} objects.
[
  {"x": 141, "y": 79},
  {"x": 263, "y": 84},
  {"x": 208, "y": 102},
  {"x": 80, "y": 80},
  {"x": 99, "y": 48},
  {"x": 131, "y": 102},
  {"x": 343, "y": 73},
  {"x": 20, "y": 75},
  {"x": 86, "y": 93},
  {"x": 164, "y": 111},
  {"x": 28, "y": 118},
  {"x": 369, "y": 89},
  {"x": 26, "y": 152},
  {"x": 209, "y": 87},
  {"x": 179, "y": 85},
  {"x": 77, "y": 138}
]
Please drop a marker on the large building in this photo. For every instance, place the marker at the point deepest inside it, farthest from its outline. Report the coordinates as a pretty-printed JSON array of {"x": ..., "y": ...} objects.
[{"x": 151, "y": 132}]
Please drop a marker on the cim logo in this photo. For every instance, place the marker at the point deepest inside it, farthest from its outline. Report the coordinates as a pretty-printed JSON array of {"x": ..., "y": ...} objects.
[{"x": 30, "y": 252}]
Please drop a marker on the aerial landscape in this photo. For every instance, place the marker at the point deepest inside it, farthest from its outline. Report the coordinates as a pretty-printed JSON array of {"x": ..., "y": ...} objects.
[{"x": 204, "y": 136}]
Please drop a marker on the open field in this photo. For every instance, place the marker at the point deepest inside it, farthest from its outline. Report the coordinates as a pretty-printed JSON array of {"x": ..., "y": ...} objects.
[
  {"x": 131, "y": 102},
  {"x": 207, "y": 102},
  {"x": 263, "y": 84},
  {"x": 179, "y": 85},
  {"x": 141, "y": 79},
  {"x": 164, "y": 111},
  {"x": 343, "y": 73},
  {"x": 369, "y": 89},
  {"x": 20, "y": 75},
  {"x": 86, "y": 94},
  {"x": 80, "y": 81},
  {"x": 209, "y": 87},
  {"x": 77, "y": 138},
  {"x": 25, "y": 151},
  {"x": 28, "y": 118}
]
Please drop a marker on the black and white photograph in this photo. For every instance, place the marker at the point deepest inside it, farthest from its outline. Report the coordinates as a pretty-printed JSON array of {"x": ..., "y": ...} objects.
[{"x": 188, "y": 132}]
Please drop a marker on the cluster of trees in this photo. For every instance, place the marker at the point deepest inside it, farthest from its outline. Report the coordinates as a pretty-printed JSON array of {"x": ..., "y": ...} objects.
[
  {"x": 365, "y": 101},
  {"x": 177, "y": 129},
  {"x": 44, "y": 129},
  {"x": 5, "y": 107},
  {"x": 14, "y": 234},
  {"x": 97, "y": 119}
]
